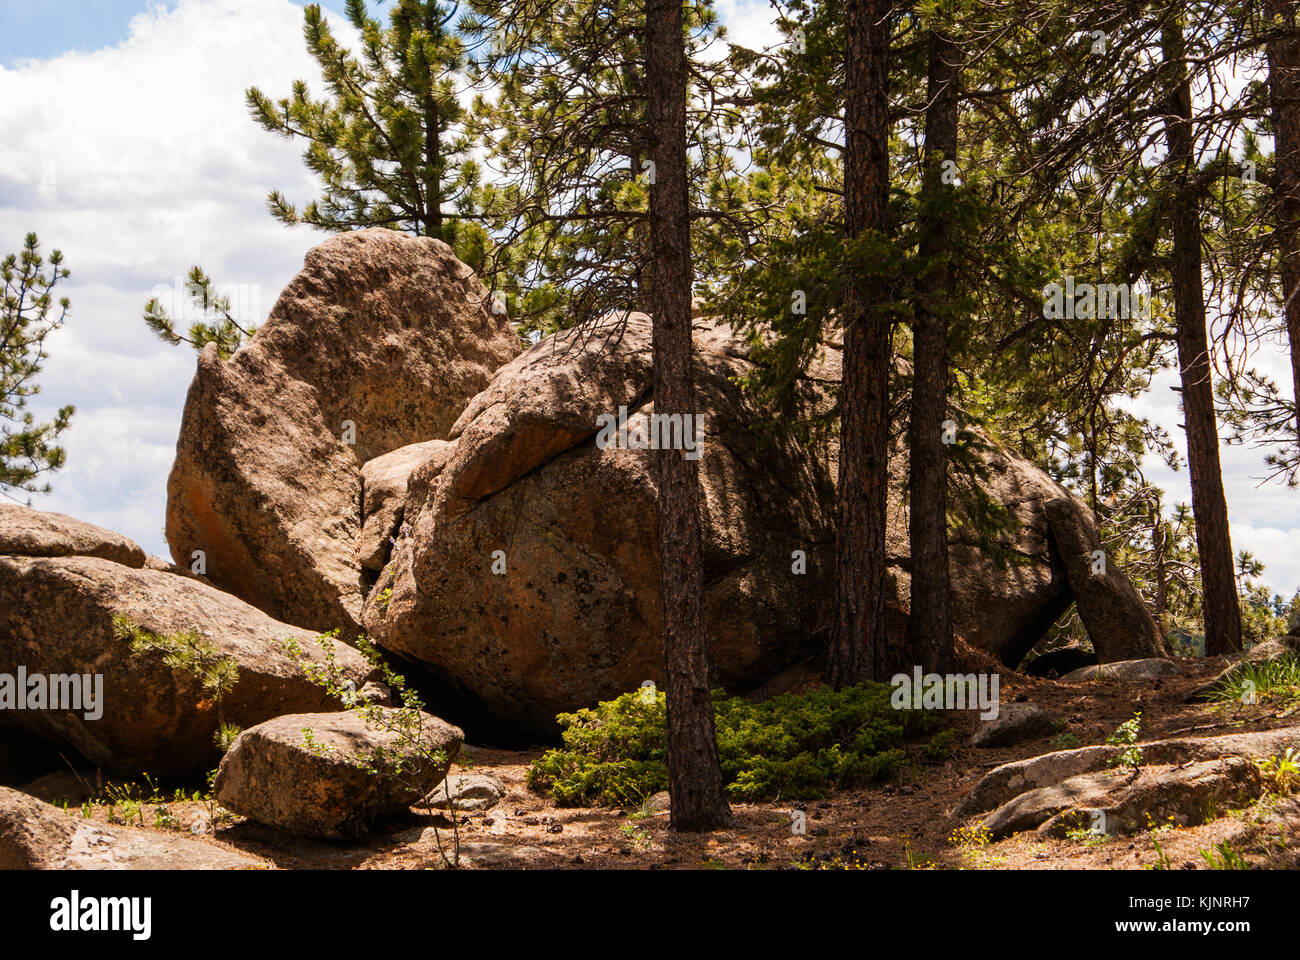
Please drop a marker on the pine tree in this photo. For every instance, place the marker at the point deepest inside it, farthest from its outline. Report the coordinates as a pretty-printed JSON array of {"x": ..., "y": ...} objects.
[
  {"x": 389, "y": 141},
  {"x": 858, "y": 629},
  {"x": 29, "y": 315},
  {"x": 600, "y": 116}
]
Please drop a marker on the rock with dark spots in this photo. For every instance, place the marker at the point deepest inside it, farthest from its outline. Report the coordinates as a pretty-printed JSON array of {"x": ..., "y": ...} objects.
[
  {"x": 376, "y": 344},
  {"x": 37, "y": 836},
  {"x": 56, "y": 617},
  {"x": 383, "y": 490},
  {"x": 531, "y": 581},
  {"x": 1015, "y": 723},
  {"x": 37, "y": 533},
  {"x": 321, "y": 787},
  {"x": 1117, "y": 620},
  {"x": 1127, "y": 670}
]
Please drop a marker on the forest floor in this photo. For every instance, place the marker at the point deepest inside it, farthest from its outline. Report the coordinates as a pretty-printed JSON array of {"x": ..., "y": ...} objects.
[{"x": 905, "y": 823}]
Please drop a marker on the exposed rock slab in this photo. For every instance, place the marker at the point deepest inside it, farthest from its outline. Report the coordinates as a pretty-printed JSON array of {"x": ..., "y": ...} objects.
[
  {"x": 39, "y": 533},
  {"x": 1123, "y": 802},
  {"x": 37, "y": 836},
  {"x": 1150, "y": 668},
  {"x": 56, "y": 617}
]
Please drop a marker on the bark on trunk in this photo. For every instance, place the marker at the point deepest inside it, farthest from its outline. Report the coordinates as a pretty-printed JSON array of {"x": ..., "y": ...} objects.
[
  {"x": 930, "y": 619},
  {"x": 694, "y": 773},
  {"x": 1209, "y": 507},
  {"x": 1284, "y": 92},
  {"x": 857, "y": 634}
]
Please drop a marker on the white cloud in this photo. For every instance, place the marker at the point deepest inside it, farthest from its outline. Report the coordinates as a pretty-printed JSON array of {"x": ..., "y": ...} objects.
[{"x": 137, "y": 161}]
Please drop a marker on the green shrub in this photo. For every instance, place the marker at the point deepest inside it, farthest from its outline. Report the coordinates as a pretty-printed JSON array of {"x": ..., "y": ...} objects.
[{"x": 796, "y": 746}]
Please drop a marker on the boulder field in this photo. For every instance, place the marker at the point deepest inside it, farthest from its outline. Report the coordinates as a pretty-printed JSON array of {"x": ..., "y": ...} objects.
[
  {"x": 385, "y": 456},
  {"x": 480, "y": 525}
]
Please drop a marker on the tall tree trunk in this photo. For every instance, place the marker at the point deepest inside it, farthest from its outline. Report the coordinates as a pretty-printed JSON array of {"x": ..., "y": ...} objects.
[
  {"x": 694, "y": 773},
  {"x": 930, "y": 620},
  {"x": 857, "y": 633},
  {"x": 1209, "y": 507},
  {"x": 432, "y": 213},
  {"x": 1284, "y": 92}
]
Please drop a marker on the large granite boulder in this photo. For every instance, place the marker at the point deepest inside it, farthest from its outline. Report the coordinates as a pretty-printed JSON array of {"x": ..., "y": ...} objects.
[
  {"x": 531, "y": 582},
  {"x": 56, "y": 618},
  {"x": 377, "y": 343}
]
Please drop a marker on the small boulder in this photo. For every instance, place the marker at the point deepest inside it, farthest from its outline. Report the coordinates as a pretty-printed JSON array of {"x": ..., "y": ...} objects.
[
  {"x": 322, "y": 788},
  {"x": 468, "y": 792},
  {"x": 1015, "y": 723},
  {"x": 56, "y": 619}
]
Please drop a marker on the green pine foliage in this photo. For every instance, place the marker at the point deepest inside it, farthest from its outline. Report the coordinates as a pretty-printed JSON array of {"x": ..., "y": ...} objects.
[
  {"x": 795, "y": 746},
  {"x": 28, "y": 315}
]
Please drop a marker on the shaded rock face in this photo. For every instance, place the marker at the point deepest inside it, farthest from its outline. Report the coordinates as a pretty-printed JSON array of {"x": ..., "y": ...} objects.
[
  {"x": 37, "y": 836},
  {"x": 37, "y": 533},
  {"x": 381, "y": 339},
  {"x": 576, "y": 616},
  {"x": 1015, "y": 723},
  {"x": 1118, "y": 622},
  {"x": 384, "y": 482},
  {"x": 272, "y": 775},
  {"x": 56, "y": 618}
]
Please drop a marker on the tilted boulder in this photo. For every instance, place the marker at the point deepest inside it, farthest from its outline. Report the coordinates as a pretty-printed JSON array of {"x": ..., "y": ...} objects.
[
  {"x": 56, "y": 618},
  {"x": 37, "y": 533},
  {"x": 340, "y": 781},
  {"x": 377, "y": 343},
  {"x": 531, "y": 579}
]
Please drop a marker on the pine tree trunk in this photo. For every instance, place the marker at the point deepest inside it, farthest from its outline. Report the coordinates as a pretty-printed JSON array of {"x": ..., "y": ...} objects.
[
  {"x": 930, "y": 619},
  {"x": 857, "y": 633},
  {"x": 1209, "y": 507},
  {"x": 1284, "y": 92},
  {"x": 694, "y": 773}
]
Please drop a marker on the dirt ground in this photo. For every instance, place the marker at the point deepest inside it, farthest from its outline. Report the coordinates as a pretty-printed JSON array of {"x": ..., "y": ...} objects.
[{"x": 902, "y": 824}]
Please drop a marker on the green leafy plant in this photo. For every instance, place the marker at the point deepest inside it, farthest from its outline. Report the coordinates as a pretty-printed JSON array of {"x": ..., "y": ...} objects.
[
  {"x": 1276, "y": 682},
  {"x": 410, "y": 752},
  {"x": 1126, "y": 736},
  {"x": 1222, "y": 856},
  {"x": 792, "y": 746}
]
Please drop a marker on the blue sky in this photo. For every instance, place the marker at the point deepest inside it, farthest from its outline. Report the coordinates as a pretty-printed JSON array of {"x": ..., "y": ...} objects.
[
  {"x": 127, "y": 145},
  {"x": 46, "y": 28}
]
